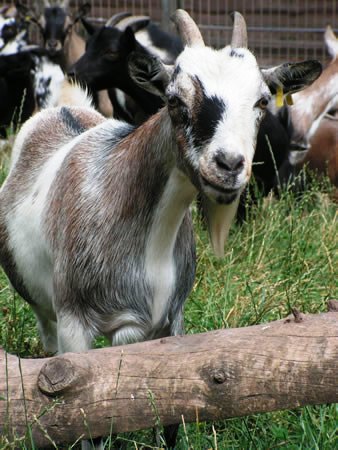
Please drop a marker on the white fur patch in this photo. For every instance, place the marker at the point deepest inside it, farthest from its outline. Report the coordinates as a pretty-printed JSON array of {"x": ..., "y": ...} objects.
[
  {"x": 31, "y": 250},
  {"x": 48, "y": 79},
  {"x": 15, "y": 45},
  {"x": 159, "y": 261},
  {"x": 143, "y": 38}
]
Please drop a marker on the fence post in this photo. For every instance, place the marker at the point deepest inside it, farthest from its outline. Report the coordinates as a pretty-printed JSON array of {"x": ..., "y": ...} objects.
[{"x": 168, "y": 7}]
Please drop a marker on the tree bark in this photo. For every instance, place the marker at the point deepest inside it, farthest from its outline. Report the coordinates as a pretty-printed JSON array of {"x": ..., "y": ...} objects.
[{"x": 211, "y": 376}]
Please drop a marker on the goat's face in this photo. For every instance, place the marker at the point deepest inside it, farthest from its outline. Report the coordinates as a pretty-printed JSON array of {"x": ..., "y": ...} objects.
[
  {"x": 104, "y": 63},
  {"x": 216, "y": 108},
  {"x": 55, "y": 25},
  {"x": 101, "y": 60}
]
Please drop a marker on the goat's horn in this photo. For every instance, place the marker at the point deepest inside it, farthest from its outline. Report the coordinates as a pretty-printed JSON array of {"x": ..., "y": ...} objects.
[
  {"x": 329, "y": 34},
  {"x": 116, "y": 18},
  {"x": 239, "y": 33},
  {"x": 141, "y": 21},
  {"x": 187, "y": 29}
]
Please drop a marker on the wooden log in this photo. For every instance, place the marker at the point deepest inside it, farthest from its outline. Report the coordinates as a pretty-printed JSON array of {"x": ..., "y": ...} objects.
[{"x": 216, "y": 375}]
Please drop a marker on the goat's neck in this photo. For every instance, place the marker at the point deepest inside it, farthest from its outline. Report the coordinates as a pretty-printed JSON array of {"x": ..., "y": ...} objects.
[
  {"x": 74, "y": 48},
  {"x": 154, "y": 187}
]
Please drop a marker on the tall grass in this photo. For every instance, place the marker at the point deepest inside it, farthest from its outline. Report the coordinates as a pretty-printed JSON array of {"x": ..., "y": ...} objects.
[{"x": 283, "y": 256}]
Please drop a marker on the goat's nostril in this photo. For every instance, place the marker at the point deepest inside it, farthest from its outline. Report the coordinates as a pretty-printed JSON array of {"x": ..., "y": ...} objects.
[
  {"x": 239, "y": 163},
  {"x": 222, "y": 162},
  {"x": 229, "y": 163},
  {"x": 52, "y": 44}
]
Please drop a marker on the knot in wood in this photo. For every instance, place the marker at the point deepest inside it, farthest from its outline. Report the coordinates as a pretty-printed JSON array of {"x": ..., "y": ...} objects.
[
  {"x": 56, "y": 376},
  {"x": 219, "y": 376}
]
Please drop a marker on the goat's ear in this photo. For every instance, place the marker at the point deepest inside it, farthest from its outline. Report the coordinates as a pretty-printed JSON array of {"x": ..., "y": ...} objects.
[
  {"x": 82, "y": 12},
  {"x": 331, "y": 42},
  {"x": 24, "y": 13},
  {"x": 292, "y": 77},
  {"x": 88, "y": 26},
  {"x": 149, "y": 73}
]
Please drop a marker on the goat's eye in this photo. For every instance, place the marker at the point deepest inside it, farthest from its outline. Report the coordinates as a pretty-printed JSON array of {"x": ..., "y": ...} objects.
[
  {"x": 262, "y": 103},
  {"x": 174, "y": 101}
]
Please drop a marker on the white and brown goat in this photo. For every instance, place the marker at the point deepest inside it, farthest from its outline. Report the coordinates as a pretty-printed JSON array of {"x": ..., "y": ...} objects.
[
  {"x": 95, "y": 228},
  {"x": 314, "y": 122},
  {"x": 311, "y": 105}
]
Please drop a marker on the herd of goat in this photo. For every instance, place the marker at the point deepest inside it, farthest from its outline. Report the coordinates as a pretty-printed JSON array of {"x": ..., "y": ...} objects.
[
  {"x": 95, "y": 225},
  {"x": 32, "y": 76}
]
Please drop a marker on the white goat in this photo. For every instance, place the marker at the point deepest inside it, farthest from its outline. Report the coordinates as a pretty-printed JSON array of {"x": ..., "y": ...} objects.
[{"x": 95, "y": 228}]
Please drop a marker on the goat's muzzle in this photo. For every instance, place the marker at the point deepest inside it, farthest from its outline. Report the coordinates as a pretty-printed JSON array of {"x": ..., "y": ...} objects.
[
  {"x": 223, "y": 176},
  {"x": 53, "y": 46}
]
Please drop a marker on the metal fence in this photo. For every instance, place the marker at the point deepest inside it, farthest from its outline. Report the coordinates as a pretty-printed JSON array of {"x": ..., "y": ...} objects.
[{"x": 279, "y": 30}]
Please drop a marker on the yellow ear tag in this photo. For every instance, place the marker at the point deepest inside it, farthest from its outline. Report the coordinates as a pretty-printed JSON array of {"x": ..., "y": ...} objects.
[
  {"x": 289, "y": 99},
  {"x": 279, "y": 97}
]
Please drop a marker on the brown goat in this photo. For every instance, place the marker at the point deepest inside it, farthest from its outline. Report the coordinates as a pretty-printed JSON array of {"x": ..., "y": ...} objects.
[{"x": 322, "y": 156}]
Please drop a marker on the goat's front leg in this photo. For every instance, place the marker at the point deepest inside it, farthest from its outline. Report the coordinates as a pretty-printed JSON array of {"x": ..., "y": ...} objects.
[
  {"x": 72, "y": 335},
  {"x": 47, "y": 331}
]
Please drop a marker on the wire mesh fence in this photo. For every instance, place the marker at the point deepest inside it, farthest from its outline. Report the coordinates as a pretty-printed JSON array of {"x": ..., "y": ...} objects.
[{"x": 278, "y": 30}]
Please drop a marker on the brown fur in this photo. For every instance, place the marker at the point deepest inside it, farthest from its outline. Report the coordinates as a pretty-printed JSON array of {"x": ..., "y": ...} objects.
[
  {"x": 322, "y": 156},
  {"x": 321, "y": 96},
  {"x": 41, "y": 143}
]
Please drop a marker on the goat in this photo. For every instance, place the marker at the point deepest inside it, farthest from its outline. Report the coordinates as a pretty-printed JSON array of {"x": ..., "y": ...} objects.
[
  {"x": 319, "y": 159},
  {"x": 100, "y": 239},
  {"x": 104, "y": 65},
  {"x": 57, "y": 27},
  {"x": 312, "y": 125},
  {"x": 314, "y": 102},
  {"x": 17, "y": 97},
  {"x": 63, "y": 43}
]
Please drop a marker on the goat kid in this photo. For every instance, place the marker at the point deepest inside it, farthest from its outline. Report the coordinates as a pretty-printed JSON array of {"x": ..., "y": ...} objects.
[
  {"x": 95, "y": 227},
  {"x": 57, "y": 27}
]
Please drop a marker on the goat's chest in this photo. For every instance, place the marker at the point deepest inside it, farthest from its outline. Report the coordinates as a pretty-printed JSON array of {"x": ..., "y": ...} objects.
[{"x": 160, "y": 272}]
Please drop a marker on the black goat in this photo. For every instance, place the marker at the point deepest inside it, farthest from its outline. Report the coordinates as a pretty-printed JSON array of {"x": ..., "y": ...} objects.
[
  {"x": 17, "y": 99},
  {"x": 104, "y": 65}
]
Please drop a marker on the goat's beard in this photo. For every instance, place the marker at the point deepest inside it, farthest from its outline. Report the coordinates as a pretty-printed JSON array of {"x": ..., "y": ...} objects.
[{"x": 219, "y": 218}]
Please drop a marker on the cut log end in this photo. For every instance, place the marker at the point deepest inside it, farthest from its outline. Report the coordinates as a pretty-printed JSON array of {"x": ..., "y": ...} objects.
[{"x": 56, "y": 376}]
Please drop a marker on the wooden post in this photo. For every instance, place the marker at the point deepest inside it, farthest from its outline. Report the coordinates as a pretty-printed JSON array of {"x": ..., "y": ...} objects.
[{"x": 217, "y": 375}]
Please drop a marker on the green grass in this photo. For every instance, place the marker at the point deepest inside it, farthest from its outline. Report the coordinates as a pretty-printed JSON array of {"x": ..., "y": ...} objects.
[{"x": 284, "y": 256}]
